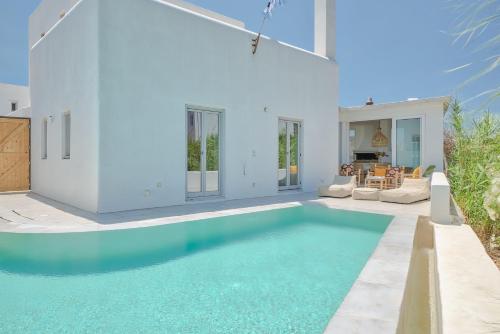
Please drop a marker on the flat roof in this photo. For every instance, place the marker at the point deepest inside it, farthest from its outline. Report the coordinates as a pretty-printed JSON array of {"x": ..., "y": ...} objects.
[
  {"x": 6, "y": 84},
  {"x": 183, "y": 6},
  {"x": 412, "y": 101}
]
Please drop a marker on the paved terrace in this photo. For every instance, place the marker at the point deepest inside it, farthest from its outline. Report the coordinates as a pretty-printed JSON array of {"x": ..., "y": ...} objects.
[{"x": 31, "y": 213}]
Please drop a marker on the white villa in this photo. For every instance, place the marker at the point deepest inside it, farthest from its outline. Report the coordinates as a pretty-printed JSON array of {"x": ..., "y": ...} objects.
[
  {"x": 135, "y": 111},
  {"x": 177, "y": 176},
  {"x": 13, "y": 99},
  {"x": 132, "y": 110}
]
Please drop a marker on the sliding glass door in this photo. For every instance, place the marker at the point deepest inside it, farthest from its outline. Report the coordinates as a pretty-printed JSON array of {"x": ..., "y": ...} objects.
[
  {"x": 289, "y": 154},
  {"x": 408, "y": 142},
  {"x": 203, "y": 152}
]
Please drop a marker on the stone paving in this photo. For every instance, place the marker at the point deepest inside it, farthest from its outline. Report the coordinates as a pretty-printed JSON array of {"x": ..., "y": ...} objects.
[{"x": 28, "y": 212}]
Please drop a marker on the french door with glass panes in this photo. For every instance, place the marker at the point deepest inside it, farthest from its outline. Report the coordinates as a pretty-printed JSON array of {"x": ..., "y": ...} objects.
[
  {"x": 289, "y": 154},
  {"x": 408, "y": 143},
  {"x": 203, "y": 174}
]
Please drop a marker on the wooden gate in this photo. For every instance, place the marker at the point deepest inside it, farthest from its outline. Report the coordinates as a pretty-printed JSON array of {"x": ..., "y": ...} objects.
[{"x": 14, "y": 154}]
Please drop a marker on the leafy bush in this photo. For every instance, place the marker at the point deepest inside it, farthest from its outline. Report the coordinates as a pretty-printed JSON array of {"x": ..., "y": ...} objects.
[
  {"x": 194, "y": 155},
  {"x": 429, "y": 170},
  {"x": 473, "y": 160},
  {"x": 212, "y": 153},
  {"x": 492, "y": 199}
]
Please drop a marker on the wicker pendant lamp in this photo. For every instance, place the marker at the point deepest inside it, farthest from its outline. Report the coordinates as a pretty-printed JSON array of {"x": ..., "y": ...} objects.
[{"x": 379, "y": 140}]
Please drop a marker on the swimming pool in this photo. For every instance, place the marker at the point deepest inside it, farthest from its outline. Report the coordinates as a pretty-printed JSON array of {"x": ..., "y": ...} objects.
[{"x": 277, "y": 271}]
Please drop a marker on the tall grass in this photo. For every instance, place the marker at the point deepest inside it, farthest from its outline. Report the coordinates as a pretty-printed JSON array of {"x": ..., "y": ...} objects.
[{"x": 473, "y": 160}]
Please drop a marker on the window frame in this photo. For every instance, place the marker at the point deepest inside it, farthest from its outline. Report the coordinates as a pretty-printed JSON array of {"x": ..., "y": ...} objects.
[
  {"x": 204, "y": 194},
  {"x": 44, "y": 140},
  {"x": 66, "y": 135},
  {"x": 15, "y": 104}
]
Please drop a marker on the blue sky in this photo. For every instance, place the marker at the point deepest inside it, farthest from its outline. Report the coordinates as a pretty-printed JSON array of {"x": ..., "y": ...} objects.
[{"x": 389, "y": 49}]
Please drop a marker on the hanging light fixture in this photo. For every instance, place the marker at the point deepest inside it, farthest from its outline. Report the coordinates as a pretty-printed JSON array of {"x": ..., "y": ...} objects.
[{"x": 379, "y": 140}]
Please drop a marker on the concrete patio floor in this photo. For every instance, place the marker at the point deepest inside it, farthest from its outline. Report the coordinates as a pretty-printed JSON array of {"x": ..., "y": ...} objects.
[{"x": 29, "y": 212}]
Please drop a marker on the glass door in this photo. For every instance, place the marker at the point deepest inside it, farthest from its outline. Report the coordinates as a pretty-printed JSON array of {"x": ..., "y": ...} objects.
[
  {"x": 408, "y": 142},
  {"x": 203, "y": 153},
  {"x": 194, "y": 143},
  {"x": 212, "y": 156},
  {"x": 289, "y": 154},
  {"x": 282, "y": 155}
]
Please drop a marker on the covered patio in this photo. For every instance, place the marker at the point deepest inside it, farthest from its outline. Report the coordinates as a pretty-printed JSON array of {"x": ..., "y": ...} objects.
[{"x": 407, "y": 136}]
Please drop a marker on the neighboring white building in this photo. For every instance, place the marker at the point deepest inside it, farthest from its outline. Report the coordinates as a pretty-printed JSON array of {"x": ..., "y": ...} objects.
[
  {"x": 13, "y": 99},
  {"x": 147, "y": 103},
  {"x": 413, "y": 128}
]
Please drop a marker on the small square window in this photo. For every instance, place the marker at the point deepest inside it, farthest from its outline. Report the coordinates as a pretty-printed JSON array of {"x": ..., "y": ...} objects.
[{"x": 13, "y": 106}]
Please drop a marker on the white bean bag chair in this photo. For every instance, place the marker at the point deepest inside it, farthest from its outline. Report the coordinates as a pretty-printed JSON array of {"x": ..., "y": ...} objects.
[
  {"x": 412, "y": 190},
  {"x": 367, "y": 194},
  {"x": 342, "y": 187}
]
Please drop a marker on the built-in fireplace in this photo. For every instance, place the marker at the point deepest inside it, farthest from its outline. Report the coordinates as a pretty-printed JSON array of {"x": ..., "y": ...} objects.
[{"x": 365, "y": 156}]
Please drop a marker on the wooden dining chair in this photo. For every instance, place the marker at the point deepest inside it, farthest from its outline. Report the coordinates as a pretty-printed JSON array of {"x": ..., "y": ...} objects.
[{"x": 351, "y": 170}]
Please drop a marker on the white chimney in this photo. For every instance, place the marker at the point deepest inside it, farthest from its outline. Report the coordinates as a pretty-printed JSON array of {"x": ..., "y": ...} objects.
[{"x": 324, "y": 28}]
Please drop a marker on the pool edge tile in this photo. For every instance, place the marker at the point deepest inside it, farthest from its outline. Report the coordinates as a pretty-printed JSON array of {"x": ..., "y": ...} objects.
[{"x": 373, "y": 304}]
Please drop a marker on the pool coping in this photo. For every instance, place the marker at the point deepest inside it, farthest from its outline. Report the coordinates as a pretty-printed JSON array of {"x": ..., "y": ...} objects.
[
  {"x": 373, "y": 305},
  {"x": 471, "y": 275}
]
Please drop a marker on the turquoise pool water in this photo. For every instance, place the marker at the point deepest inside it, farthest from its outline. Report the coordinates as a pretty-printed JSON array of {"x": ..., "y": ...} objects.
[{"x": 278, "y": 271}]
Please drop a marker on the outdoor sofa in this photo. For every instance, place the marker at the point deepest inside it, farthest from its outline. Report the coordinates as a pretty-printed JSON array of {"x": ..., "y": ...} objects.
[
  {"x": 412, "y": 190},
  {"x": 342, "y": 187}
]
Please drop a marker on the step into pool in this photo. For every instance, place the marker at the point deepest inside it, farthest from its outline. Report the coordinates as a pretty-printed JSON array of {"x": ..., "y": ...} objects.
[{"x": 277, "y": 271}]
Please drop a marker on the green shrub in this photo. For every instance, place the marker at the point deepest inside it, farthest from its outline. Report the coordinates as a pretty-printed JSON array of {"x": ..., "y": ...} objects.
[
  {"x": 212, "y": 153},
  {"x": 429, "y": 170},
  {"x": 473, "y": 160},
  {"x": 492, "y": 198}
]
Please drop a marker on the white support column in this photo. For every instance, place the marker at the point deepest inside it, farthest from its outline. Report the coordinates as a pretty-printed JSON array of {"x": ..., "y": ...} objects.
[
  {"x": 393, "y": 142},
  {"x": 344, "y": 148}
]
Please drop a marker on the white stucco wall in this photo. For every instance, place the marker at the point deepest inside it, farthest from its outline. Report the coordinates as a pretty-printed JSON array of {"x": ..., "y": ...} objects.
[
  {"x": 13, "y": 93},
  {"x": 161, "y": 66},
  {"x": 64, "y": 77},
  {"x": 21, "y": 113},
  {"x": 45, "y": 16},
  {"x": 429, "y": 110},
  {"x": 48, "y": 13},
  {"x": 150, "y": 66}
]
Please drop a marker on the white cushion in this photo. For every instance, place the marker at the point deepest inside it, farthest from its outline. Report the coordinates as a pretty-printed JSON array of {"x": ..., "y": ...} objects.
[
  {"x": 412, "y": 190},
  {"x": 342, "y": 187},
  {"x": 369, "y": 194}
]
